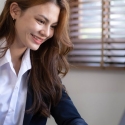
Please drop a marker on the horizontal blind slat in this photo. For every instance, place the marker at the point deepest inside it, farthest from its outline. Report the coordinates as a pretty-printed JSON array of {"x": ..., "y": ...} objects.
[{"x": 97, "y": 35}]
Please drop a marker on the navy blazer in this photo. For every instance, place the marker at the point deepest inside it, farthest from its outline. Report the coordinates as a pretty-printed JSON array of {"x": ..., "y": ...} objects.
[{"x": 64, "y": 113}]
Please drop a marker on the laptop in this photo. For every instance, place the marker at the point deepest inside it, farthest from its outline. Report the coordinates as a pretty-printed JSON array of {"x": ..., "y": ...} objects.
[{"x": 122, "y": 122}]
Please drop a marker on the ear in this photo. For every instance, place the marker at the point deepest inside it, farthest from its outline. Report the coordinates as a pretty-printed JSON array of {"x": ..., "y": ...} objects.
[{"x": 15, "y": 10}]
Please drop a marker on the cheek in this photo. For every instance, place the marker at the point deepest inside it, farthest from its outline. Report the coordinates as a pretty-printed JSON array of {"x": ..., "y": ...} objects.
[
  {"x": 18, "y": 27},
  {"x": 29, "y": 23},
  {"x": 33, "y": 26},
  {"x": 52, "y": 33}
]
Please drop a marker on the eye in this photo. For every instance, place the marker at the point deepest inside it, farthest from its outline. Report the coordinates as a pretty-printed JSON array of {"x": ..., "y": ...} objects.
[
  {"x": 40, "y": 21},
  {"x": 53, "y": 27}
]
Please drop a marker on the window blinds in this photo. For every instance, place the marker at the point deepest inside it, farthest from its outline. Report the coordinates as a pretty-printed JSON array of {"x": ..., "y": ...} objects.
[{"x": 97, "y": 30}]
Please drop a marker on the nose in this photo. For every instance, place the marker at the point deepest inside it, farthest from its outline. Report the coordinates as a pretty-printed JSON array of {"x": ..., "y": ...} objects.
[{"x": 45, "y": 31}]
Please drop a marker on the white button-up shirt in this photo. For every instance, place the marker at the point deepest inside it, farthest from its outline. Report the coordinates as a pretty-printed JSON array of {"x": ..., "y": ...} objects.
[{"x": 13, "y": 89}]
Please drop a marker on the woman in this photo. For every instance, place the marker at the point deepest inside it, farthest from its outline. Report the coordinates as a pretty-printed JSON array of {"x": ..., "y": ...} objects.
[{"x": 33, "y": 44}]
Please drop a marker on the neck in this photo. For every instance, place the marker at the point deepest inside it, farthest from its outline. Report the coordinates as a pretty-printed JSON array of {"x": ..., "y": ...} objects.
[{"x": 16, "y": 56}]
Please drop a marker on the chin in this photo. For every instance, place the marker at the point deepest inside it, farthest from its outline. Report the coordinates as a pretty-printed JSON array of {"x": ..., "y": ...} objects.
[{"x": 34, "y": 48}]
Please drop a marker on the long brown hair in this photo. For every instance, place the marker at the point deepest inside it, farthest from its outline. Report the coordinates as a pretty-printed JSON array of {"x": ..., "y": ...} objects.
[{"x": 49, "y": 61}]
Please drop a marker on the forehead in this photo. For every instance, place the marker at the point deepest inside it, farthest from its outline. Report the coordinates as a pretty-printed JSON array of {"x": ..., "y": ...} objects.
[{"x": 49, "y": 10}]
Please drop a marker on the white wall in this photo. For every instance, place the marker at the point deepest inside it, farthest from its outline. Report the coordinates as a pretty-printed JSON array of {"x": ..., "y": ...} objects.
[
  {"x": 1, "y": 4},
  {"x": 98, "y": 95}
]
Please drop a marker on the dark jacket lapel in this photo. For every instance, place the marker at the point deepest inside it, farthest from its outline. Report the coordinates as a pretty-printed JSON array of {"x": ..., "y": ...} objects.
[{"x": 29, "y": 102}]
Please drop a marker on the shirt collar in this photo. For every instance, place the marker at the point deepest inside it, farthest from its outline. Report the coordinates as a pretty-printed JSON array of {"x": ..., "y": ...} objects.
[
  {"x": 26, "y": 59},
  {"x": 7, "y": 57}
]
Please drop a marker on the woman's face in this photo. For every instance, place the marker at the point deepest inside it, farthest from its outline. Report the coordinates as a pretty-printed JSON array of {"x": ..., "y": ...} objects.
[{"x": 36, "y": 25}]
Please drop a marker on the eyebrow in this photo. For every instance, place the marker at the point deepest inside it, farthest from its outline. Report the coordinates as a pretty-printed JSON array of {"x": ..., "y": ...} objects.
[{"x": 47, "y": 20}]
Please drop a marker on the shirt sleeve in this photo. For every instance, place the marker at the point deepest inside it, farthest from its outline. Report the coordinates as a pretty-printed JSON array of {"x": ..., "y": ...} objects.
[{"x": 65, "y": 113}]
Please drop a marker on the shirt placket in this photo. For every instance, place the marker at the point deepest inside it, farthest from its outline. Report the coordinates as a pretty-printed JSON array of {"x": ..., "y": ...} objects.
[{"x": 10, "y": 114}]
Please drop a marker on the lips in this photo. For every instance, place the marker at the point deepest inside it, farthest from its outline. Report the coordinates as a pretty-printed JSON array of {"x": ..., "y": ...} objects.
[
  {"x": 35, "y": 36},
  {"x": 37, "y": 39}
]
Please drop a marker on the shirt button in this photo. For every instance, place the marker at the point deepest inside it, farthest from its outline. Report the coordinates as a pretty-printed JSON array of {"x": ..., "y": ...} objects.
[
  {"x": 16, "y": 87},
  {"x": 11, "y": 110}
]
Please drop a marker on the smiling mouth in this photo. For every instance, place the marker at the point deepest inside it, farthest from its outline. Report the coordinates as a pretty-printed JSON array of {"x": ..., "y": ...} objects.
[{"x": 37, "y": 39}]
